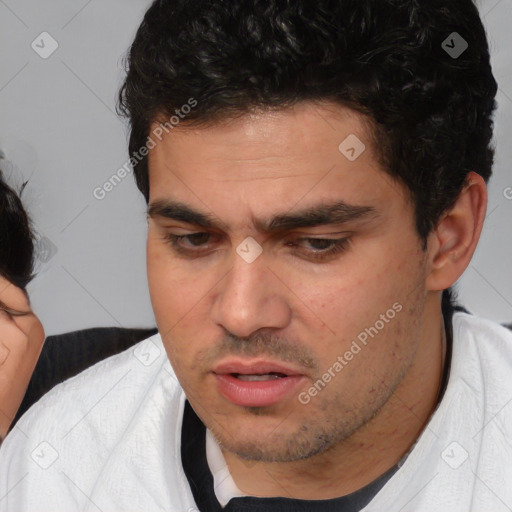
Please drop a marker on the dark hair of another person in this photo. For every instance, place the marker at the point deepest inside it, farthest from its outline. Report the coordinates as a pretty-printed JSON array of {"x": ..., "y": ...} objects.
[
  {"x": 430, "y": 114},
  {"x": 16, "y": 239}
]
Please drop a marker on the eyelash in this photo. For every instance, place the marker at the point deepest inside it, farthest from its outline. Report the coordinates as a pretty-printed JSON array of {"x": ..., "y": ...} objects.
[
  {"x": 13, "y": 312},
  {"x": 338, "y": 245}
]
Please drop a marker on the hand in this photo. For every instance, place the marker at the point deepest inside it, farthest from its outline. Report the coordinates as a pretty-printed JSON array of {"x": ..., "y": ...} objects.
[{"x": 21, "y": 340}]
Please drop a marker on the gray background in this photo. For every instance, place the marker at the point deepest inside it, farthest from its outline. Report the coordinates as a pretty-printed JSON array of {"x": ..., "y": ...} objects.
[{"x": 58, "y": 127}]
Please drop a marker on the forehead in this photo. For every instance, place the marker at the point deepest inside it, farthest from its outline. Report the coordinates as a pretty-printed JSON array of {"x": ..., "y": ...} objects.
[
  {"x": 271, "y": 161},
  {"x": 298, "y": 131}
]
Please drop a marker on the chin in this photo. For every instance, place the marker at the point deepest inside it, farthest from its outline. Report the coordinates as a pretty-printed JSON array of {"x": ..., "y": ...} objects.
[{"x": 267, "y": 443}]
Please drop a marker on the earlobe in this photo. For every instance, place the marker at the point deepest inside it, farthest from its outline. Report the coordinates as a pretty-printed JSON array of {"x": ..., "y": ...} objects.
[{"x": 452, "y": 244}]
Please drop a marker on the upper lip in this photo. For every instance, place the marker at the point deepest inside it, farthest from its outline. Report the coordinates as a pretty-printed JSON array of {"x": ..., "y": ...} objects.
[{"x": 253, "y": 368}]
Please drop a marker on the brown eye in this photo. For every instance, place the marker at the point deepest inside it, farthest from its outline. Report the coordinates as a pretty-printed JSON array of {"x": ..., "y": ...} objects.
[
  {"x": 196, "y": 239},
  {"x": 323, "y": 248},
  {"x": 188, "y": 244}
]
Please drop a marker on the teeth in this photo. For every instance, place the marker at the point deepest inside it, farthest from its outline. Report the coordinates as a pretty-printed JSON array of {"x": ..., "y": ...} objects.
[{"x": 268, "y": 376}]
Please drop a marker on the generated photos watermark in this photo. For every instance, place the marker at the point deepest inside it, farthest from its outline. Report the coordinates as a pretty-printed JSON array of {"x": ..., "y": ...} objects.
[
  {"x": 127, "y": 168},
  {"x": 355, "y": 347}
]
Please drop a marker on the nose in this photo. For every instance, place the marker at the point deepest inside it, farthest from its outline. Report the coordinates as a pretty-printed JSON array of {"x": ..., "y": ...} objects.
[{"x": 250, "y": 297}]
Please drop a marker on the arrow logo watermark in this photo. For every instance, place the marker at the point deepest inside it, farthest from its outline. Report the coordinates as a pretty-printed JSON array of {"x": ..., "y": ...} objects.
[
  {"x": 352, "y": 147},
  {"x": 249, "y": 249},
  {"x": 454, "y": 45},
  {"x": 44, "y": 45}
]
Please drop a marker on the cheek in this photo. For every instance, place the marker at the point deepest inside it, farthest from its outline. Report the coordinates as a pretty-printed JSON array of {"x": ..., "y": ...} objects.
[
  {"x": 343, "y": 298},
  {"x": 32, "y": 327},
  {"x": 179, "y": 300},
  {"x": 167, "y": 287},
  {"x": 347, "y": 303}
]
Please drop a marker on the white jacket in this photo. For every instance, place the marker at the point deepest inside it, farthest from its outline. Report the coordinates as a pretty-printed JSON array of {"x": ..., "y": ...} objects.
[{"x": 109, "y": 438}]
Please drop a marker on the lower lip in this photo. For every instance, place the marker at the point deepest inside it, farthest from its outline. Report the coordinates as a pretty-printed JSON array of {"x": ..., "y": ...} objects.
[{"x": 257, "y": 393}]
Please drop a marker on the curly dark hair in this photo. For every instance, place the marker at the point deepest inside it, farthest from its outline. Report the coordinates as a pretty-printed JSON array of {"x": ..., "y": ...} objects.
[
  {"x": 430, "y": 113},
  {"x": 16, "y": 238}
]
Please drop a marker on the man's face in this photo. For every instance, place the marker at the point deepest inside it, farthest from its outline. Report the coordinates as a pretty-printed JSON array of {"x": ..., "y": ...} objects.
[{"x": 286, "y": 352}]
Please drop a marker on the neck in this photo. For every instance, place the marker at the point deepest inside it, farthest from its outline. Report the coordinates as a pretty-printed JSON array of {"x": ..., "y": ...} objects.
[{"x": 370, "y": 451}]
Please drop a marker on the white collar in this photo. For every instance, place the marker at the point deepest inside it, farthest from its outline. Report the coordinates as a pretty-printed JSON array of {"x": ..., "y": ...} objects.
[{"x": 223, "y": 484}]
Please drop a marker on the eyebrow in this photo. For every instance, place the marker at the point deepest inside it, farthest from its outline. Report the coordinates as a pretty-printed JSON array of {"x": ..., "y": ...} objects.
[{"x": 325, "y": 213}]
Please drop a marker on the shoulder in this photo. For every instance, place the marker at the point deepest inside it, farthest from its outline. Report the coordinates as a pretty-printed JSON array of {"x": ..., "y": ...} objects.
[
  {"x": 65, "y": 355},
  {"x": 127, "y": 374},
  {"x": 64, "y": 443},
  {"x": 83, "y": 418},
  {"x": 483, "y": 356},
  {"x": 141, "y": 362},
  {"x": 486, "y": 335}
]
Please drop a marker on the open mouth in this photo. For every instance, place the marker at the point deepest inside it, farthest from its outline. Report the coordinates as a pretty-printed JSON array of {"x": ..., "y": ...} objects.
[
  {"x": 257, "y": 383},
  {"x": 258, "y": 377},
  {"x": 258, "y": 389}
]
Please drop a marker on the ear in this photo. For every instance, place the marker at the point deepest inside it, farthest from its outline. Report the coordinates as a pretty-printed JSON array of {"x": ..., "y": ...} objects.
[{"x": 452, "y": 244}]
